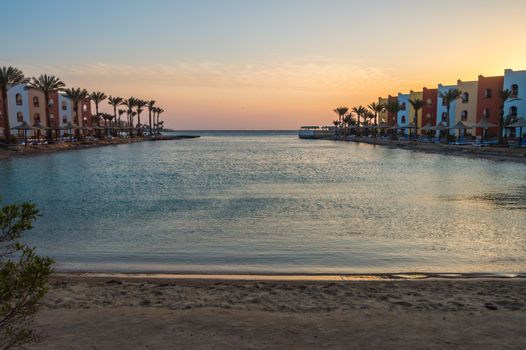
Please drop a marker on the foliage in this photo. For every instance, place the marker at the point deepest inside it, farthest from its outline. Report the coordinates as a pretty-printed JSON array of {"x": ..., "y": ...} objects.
[
  {"x": 9, "y": 76},
  {"x": 23, "y": 276}
]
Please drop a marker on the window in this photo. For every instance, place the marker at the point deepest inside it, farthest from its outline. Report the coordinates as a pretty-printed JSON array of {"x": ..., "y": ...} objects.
[
  {"x": 444, "y": 117},
  {"x": 64, "y": 106},
  {"x": 514, "y": 90},
  {"x": 465, "y": 97},
  {"x": 37, "y": 117},
  {"x": 403, "y": 119},
  {"x": 64, "y": 120},
  {"x": 487, "y": 93},
  {"x": 485, "y": 113},
  {"x": 429, "y": 102},
  {"x": 84, "y": 107},
  {"x": 20, "y": 117},
  {"x": 513, "y": 111},
  {"x": 50, "y": 102},
  {"x": 18, "y": 98},
  {"x": 36, "y": 101},
  {"x": 403, "y": 107},
  {"x": 464, "y": 116},
  {"x": 443, "y": 101}
]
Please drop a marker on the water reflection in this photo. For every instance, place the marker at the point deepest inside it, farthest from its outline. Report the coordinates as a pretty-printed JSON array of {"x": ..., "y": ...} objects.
[{"x": 268, "y": 202}]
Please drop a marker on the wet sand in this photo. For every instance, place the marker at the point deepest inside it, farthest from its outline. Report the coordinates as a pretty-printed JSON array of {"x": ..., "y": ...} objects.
[{"x": 87, "y": 312}]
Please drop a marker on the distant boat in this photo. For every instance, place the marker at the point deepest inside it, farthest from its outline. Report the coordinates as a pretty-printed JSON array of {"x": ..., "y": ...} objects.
[{"x": 315, "y": 132}]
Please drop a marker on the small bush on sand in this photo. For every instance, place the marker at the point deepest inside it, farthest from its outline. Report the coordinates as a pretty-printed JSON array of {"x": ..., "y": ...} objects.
[{"x": 23, "y": 276}]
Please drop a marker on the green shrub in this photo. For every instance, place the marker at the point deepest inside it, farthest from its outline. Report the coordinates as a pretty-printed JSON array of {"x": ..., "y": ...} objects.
[{"x": 23, "y": 276}]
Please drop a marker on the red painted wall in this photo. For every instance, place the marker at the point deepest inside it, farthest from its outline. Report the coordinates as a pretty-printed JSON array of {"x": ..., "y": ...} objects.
[
  {"x": 87, "y": 113},
  {"x": 55, "y": 122},
  {"x": 491, "y": 103},
  {"x": 430, "y": 98}
]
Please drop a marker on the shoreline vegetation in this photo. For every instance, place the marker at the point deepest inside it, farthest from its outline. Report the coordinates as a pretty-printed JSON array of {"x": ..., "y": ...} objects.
[{"x": 118, "y": 312}]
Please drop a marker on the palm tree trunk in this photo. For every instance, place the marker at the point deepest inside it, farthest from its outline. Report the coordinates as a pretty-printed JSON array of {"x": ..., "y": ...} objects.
[
  {"x": 415, "y": 120},
  {"x": 7, "y": 129},
  {"x": 150, "y": 120}
]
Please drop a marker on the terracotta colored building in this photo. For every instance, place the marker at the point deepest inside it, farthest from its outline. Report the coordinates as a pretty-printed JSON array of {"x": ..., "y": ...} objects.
[
  {"x": 488, "y": 102},
  {"x": 429, "y": 111}
]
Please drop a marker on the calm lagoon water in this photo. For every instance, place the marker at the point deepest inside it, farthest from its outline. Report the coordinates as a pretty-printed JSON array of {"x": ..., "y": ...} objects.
[{"x": 267, "y": 202}]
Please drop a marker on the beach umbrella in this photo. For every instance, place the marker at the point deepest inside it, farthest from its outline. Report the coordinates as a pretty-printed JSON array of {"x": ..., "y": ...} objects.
[
  {"x": 24, "y": 126},
  {"x": 521, "y": 123},
  {"x": 69, "y": 127},
  {"x": 410, "y": 126},
  {"x": 39, "y": 126},
  {"x": 461, "y": 126},
  {"x": 484, "y": 124},
  {"x": 440, "y": 127},
  {"x": 428, "y": 128}
]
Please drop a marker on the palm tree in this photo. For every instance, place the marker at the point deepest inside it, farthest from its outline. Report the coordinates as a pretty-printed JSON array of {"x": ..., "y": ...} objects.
[
  {"x": 97, "y": 97},
  {"x": 121, "y": 112},
  {"x": 151, "y": 106},
  {"x": 140, "y": 104},
  {"x": 130, "y": 104},
  {"x": 376, "y": 108},
  {"x": 341, "y": 111},
  {"x": 504, "y": 95},
  {"x": 76, "y": 96},
  {"x": 360, "y": 111},
  {"x": 393, "y": 107},
  {"x": 47, "y": 84},
  {"x": 417, "y": 104},
  {"x": 114, "y": 102},
  {"x": 448, "y": 98},
  {"x": 9, "y": 76},
  {"x": 159, "y": 111}
]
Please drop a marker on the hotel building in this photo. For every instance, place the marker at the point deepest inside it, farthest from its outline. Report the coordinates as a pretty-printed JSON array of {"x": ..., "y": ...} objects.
[
  {"x": 429, "y": 111},
  {"x": 414, "y": 95},
  {"x": 515, "y": 81},
  {"x": 466, "y": 110},
  {"x": 488, "y": 102},
  {"x": 442, "y": 107}
]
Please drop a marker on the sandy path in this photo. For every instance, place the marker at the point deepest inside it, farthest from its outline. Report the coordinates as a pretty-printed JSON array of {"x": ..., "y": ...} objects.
[{"x": 109, "y": 313}]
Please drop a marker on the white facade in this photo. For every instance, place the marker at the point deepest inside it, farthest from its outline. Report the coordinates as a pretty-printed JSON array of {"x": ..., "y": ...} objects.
[
  {"x": 18, "y": 105},
  {"x": 403, "y": 118},
  {"x": 65, "y": 111},
  {"x": 442, "y": 108},
  {"x": 515, "y": 81}
]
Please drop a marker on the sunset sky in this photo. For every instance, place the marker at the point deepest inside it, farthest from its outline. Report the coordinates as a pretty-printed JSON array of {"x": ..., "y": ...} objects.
[{"x": 268, "y": 64}]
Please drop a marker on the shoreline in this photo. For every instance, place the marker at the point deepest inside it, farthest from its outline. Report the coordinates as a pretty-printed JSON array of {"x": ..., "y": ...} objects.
[
  {"x": 315, "y": 277},
  {"x": 31, "y": 150},
  {"x": 106, "y": 313},
  {"x": 469, "y": 151}
]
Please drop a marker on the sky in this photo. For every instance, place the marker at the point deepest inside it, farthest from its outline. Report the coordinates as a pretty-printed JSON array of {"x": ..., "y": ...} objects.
[{"x": 265, "y": 64}]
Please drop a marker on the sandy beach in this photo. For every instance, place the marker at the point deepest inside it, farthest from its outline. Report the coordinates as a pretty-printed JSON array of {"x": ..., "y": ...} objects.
[
  {"x": 20, "y": 150},
  {"x": 86, "y": 312}
]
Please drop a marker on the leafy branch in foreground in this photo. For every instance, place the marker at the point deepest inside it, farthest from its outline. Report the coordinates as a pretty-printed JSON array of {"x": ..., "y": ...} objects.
[{"x": 23, "y": 276}]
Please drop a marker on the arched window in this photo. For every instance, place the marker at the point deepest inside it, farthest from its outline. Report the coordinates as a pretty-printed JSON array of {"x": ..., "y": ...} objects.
[
  {"x": 64, "y": 106},
  {"x": 403, "y": 119},
  {"x": 444, "y": 116},
  {"x": 487, "y": 93},
  {"x": 37, "y": 117},
  {"x": 36, "y": 101},
  {"x": 515, "y": 90},
  {"x": 429, "y": 102},
  {"x": 20, "y": 117},
  {"x": 465, "y": 97},
  {"x": 18, "y": 98},
  {"x": 485, "y": 113},
  {"x": 64, "y": 120},
  {"x": 428, "y": 116},
  {"x": 50, "y": 102},
  {"x": 513, "y": 111},
  {"x": 84, "y": 107},
  {"x": 403, "y": 107},
  {"x": 464, "y": 116}
]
